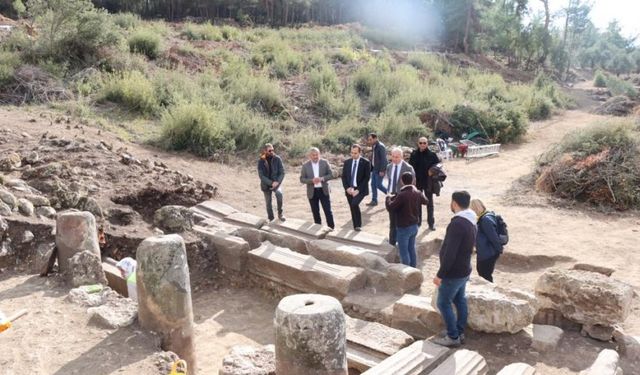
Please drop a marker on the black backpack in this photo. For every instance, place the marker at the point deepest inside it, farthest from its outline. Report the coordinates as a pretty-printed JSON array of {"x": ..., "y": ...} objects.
[{"x": 503, "y": 232}]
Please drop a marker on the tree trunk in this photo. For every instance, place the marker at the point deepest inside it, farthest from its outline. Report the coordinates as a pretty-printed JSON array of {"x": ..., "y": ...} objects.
[
  {"x": 547, "y": 37},
  {"x": 465, "y": 41}
]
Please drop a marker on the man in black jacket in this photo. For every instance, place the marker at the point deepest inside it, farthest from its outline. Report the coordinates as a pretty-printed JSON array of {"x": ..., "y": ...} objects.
[
  {"x": 271, "y": 173},
  {"x": 355, "y": 180},
  {"x": 455, "y": 268},
  {"x": 378, "y": 167},
  {"x": 422, "y": 159}
]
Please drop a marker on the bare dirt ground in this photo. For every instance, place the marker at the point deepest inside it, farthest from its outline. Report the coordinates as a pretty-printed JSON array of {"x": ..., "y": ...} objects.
[{"x": 55, "y": 338}]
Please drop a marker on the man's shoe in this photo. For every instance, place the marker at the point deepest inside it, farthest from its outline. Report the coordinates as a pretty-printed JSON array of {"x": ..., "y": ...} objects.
[
  {"x": 446, "y": 341},
  {"x": 282, "y": 218},
  {"x": 372, "y": 203},
  {"x": 461, "y": 337},
  {"x": 432, "y": 227},
  {"x": 357, "y": 229}
]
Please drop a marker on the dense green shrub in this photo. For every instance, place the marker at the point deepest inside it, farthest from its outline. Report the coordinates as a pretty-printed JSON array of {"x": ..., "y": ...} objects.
[
  {"x": 329, "y": 97},
  {"x": 9, "y": 61},
  {"x": 205, "y": 31},
  {"x": 133, "y": 91},
  {"x": 399, "y": 129},
  {"x": 127, "y": 21},
  {"x": 500, "y": 123},
  {"x": 282, "y": 60},
  {"x": 230, "y": 32},
  {"x": 249, "y": 131},
  {"x": 620, "y": 87},
  {"x": 75, "y": 31},
  {"x": 146, "y": 42},
  {"x": 339, "y": 136},
  {"x": 255, "y": 91},
  {"x": 600, "y": 80},
  {"x": 196, "y": 128},
  {"x": 539, "y": 108},
  {"x": 428, "y": 62}
]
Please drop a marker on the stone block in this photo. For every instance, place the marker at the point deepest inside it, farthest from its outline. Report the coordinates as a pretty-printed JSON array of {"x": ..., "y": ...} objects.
[
  {"x": 366, "y": 240},
  {"x": 303, "y": 272},
  {"x": 115, "y": 279},
  {"x": 605, "y": 364},
  {"x": 628, "y": 346},
  {"x": 248, "y": 360},
  {"x": 115, "y": 314},
  {"x": 401, "y": 279},
  {"x": 285, "y": 239},
  {"x": 231, "y": 251},
  {"x": 346, "y": 255},
  {"x": 462, "y": 362},
  {"x": 376, "y": 336},
  {"x": 75, "y": 232},
  {"x": 418, "y": 358},
  {"x": 517, "y": 369},
  {"x": 544, "y": 338},
  {"x": 555, "y": 318},
  {"x": 585, "y": 297},
  {"x": 85, "y": 268},
  {"x": 213, "y": 208},
  {"x": 246, "y": 220},
  {"x": 416, "y": 316},
  {"x": 598, "y": 332},
  {"x": 253, "y": 236},
  {"x": 593, "y": 268},
  {"x": 495, "y": 309}
]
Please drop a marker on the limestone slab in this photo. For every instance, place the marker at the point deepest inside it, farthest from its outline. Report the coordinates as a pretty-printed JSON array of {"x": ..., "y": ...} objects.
[
  {"x": 231, "y": 251},
  {"x": 585, "y": 297},
  {"x": 462, "y": 362},
  {"x": 545, "y": 338},
  {"x": 342, "y": 250},
  {"x": 628, "y": 345},
  {"x": 303, "y": 272},
  {"x": 114, "y": 279},
  {"x": 605, "y": 364},
  {"x": 517, "y": 369},
  {"x": 245, "y": 219},
  {"x": 366, "y": 240},
  {"x": 214, "y": 208},
  {"x": 418, "y": 358},
  {"x": 416, "y": 316},
  {"x": 278, "y": 237},
  {"x": 302, "y": 227},
  {"x": 376, "y": 336},
  {"x": 247, "y": 360}
]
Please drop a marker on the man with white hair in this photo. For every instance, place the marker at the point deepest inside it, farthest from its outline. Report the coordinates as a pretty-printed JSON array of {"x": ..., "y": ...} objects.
[
  {"x": 316, "y": 173},
  {"x": 394, "y": 171}
]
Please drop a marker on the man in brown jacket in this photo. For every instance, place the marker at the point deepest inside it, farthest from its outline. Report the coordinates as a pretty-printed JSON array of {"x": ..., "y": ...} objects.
[{"x": 406, "y": 206}]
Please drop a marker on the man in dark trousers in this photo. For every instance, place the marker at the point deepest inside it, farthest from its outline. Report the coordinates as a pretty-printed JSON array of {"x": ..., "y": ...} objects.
[
  {"x": 378, "y": 167},
  {"x": 355, "y": 180},
  {"x": 316, "y": 173},
  {"x": 422, "y": 159},
  {"x": 455, "y": 268},
  {"x": 271, "y": 173},
  {"x": 405, "y": 206}
]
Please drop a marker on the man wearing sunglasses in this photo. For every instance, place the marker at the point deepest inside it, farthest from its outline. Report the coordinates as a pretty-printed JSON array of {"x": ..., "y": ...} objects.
[
  {"x": 271, "y": 173},
  {"x": 422, "y": 159}
]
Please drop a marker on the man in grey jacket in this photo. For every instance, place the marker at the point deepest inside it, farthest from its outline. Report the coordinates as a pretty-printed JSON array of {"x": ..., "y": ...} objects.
[
  {"x": 316, "y": 173},
  {"x": 395, "y": 170},
  {"x": 271, "y": 173}
]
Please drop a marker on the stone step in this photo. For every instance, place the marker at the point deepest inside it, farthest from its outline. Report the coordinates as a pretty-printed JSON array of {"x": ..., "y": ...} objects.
[
  {"x": 517, "y": 369},
  {"x": 462, "y": 362},
  {"x": 366, "y": 240},
  {"x": 369, "y": 343},
  {"x": 246, "y": 220},
  {"x": 294, "y": 233},
  {"x": 213, "y": 208},
  {"x": 418, "y": 358},
  {"x": 416, "y": 316},
  {"x": 303, "y": 272},
  {"x": 381, "y": 275},
  {"x": 231, "y": 251}
]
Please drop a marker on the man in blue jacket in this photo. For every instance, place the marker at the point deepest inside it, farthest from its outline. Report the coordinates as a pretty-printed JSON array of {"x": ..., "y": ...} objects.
[
  {"x": 455, "y": 268},
  {"x": 271, "y": 173}
]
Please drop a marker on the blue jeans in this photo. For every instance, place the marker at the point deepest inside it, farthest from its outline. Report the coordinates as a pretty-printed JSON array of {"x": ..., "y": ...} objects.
[
  {"x": 376, "y": 183},
  {"x": 406, "y": 239},
  {"x": 452, "y": 291}
]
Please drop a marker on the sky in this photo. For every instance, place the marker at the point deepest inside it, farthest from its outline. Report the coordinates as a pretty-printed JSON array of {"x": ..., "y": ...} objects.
[{"x": 627, "y": 12}]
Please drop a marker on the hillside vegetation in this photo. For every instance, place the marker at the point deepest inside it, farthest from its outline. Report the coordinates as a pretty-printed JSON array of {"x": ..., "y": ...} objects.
[{"x": 218, "y": 89}]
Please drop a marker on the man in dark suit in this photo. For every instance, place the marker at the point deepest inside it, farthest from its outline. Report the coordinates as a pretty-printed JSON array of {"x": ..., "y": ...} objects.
[
  {"x": 355, "y": 180},
  {"x": 378, "y": 167},
  {"x": 422, "y": 159},
  {"x": 316, "y": 173}
]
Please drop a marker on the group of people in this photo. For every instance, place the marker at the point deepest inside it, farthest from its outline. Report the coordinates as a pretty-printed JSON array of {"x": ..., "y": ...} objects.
[{"x": 409, "y": 186}]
